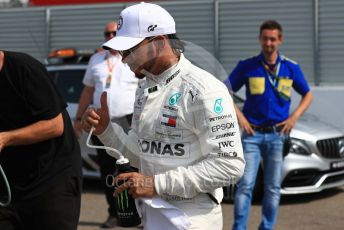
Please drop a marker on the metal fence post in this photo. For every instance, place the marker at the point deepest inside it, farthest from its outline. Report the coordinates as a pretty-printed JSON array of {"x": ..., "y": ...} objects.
[
  {"x": 216, "y": 29},
  {"x": 47, "y": 30},
  {"x": 316, "y": 65}
]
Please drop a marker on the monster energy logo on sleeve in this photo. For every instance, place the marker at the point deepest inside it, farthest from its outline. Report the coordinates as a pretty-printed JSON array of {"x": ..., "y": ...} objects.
[{"x": 123, "y": 200}]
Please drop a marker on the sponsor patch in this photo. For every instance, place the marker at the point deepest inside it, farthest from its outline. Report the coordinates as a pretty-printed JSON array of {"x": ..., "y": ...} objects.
[
  {"x": 211, "y": 119},
  {"x": 175, "y": 198},
  {"x": 174, "y": 99},
  {"x": 171, "y": 108},
  {"x": 194, "y": 93},
  {"x": 153, "y": 89},
  {"x": 161, "y": 149},
  {"x": 226, "y": 144},
  {"x": 224, "y": 126},
  {"x": 151, "y": 28},
  {"x": 217, "y": 106},
  {"x": 168, "y": 120},
  {"x": 229, "y": 134},
  {"x": 169, "y": 134},
  {"x": 140, "y": 100},
  {"x": 172, "y": 76},
  {"x": 227, "y": 154}
]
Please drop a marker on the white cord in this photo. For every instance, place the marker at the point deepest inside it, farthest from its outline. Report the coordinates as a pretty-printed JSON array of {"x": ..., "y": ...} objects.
[
  {"x": 111, "y": 152},
  {"x": 8, "y": 189}
]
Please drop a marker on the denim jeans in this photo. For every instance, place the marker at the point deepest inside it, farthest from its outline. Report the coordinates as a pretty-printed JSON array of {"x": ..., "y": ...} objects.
[{"x": 269, "y": 146}]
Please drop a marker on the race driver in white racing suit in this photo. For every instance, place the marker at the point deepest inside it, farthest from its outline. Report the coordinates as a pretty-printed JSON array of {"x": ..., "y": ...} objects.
[{"x": 185, "y": 136}]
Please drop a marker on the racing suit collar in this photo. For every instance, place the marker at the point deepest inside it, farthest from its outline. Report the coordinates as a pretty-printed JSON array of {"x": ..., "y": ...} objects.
[{"x": 165, "y": 77}]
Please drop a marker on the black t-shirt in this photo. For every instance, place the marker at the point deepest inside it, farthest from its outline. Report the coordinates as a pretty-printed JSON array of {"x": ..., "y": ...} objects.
[{"x": 28, "y": 95}]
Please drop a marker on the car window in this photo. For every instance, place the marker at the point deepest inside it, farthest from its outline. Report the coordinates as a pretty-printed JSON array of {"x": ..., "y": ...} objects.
[{"x": 69, "y": 83}]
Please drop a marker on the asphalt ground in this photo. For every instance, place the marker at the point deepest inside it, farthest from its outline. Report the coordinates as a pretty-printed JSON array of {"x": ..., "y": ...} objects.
[{"x": 318, "y": 211}]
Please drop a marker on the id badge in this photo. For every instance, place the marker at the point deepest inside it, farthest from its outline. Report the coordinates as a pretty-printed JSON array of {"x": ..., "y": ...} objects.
[
  {"x": 257, "y": 85},
  {"x": 108, "y": 81},
  {"x": 284, "y": 86}
]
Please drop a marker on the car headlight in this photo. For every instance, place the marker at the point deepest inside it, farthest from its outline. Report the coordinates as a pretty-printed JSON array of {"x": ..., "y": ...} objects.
[{"x": 298, "y": 146}]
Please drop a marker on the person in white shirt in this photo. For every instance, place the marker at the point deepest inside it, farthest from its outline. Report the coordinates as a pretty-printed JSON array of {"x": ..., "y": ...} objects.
[
  {"x": 185, "y": 136},
  {"x": 106, "y": 72}
]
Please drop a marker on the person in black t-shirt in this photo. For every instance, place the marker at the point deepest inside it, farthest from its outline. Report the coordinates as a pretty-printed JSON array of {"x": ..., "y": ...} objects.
[{"x": 38, "y": 149}]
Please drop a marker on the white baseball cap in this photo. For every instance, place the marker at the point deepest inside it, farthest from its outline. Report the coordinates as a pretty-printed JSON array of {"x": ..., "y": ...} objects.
[{"x": 138, "y": 22}]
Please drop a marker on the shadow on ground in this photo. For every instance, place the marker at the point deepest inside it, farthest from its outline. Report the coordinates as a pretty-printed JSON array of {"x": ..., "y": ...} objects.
[
  {"x": 306, "y": 198},
  {"x": 295, "y": 199},
  {"x": 89, "y": 223}
]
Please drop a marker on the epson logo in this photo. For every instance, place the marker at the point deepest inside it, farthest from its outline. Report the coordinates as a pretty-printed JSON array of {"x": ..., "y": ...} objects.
[
  {"x": 225, "y": 126},
  {"x": 226, "y": 144},
  {"x": 160, "y": 148},
  {"x": 220, "y": 117}
]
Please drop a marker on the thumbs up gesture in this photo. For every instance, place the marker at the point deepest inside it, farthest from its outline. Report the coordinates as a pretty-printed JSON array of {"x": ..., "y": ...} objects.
[{"x": 99, "y": 119}]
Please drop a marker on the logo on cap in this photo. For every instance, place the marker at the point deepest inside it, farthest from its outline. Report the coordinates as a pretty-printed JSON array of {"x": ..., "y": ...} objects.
[
  {"x": 151, "y": 28},
  {"x": 119, "y": 23}
]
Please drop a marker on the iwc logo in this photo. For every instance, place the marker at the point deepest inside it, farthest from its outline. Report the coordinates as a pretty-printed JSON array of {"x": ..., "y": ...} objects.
[
  {"x": 119, "y": 23},
  {"x": 341, "y": 148}
]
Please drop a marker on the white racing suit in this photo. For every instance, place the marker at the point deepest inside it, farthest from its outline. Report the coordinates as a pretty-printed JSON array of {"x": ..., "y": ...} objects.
[{"x": 184, "y": 133}]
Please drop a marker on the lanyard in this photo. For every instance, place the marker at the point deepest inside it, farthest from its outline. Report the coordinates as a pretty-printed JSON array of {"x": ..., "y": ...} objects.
[
  {"x": 110, "y": 66},
  {"x": 272, "y": 74},
  {"x": 273, "y": 78}
]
